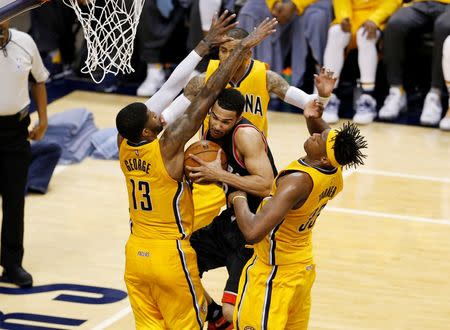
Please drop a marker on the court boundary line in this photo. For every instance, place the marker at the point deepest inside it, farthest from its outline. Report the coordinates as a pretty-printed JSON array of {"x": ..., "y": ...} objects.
[
  {"x": 113, "y": 319},
  {"x": 348, "y": 172},
  {"x": 402, "y": 175},
  {"x": 391, "y": 216}
]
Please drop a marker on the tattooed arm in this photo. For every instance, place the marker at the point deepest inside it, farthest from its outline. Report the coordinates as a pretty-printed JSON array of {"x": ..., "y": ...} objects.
[
  {"x": 176, "y": 135},
  {"x": 277, "y": 85},
  {"x": 295, "y": 96},
  {"x": 194, "y": 86}
]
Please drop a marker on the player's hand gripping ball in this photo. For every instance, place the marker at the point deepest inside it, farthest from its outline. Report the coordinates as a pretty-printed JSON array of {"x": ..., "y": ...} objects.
[{"x": 206, "y": 151}]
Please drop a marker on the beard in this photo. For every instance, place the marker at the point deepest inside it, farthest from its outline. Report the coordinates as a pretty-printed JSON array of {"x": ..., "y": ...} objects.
[{"x": 158, "y": 129}]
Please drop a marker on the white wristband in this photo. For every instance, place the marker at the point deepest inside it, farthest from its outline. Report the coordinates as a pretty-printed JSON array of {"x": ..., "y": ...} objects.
[
  {"x": 297, "y": 97},
  {"x": 323, "y": 100},
  {"x": 173, "y": 86},
  {"x": 238, "y": 196},
  {"x": 176, "y": 109}
]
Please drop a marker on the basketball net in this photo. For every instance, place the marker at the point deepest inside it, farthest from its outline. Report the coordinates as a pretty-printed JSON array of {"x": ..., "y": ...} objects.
[{"x": 109, "y": 28}]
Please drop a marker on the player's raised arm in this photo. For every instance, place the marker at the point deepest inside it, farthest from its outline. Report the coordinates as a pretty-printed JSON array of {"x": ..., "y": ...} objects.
[
  {"x": 176, "y": 135},
  {"x": 180, "y": 76},
  {"x": 324, "y": 81},
  {"x": 295, "y": 96}
]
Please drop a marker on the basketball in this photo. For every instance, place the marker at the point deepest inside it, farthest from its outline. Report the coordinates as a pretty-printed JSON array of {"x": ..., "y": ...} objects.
[{"x": 205, "y": 150}]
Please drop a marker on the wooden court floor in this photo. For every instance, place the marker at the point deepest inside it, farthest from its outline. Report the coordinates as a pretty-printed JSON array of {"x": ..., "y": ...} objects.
[{"x": 382, "y": 247}]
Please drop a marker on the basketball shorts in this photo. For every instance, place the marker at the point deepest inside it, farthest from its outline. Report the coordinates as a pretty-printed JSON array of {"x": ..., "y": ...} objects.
[
  {"x": 274, "y": 297},
  {"x": 163, "y": 284},
  {"x": 221, "y": 244},
  {"x": 208, "y": 200}
]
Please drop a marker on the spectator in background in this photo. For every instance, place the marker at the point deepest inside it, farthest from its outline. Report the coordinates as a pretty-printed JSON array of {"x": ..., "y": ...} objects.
[
  {"x": 410, "y": 19},
  {"x": 361, "y": 20},
  {"x": 19, "y": 56},
  {"x": 201, "y": 14},
  {"x": 53, "y": 27},
  {"x": 159, "y": 19},
  {"x": 303, "y": 27},
  {"x": 445, "y": 122}
]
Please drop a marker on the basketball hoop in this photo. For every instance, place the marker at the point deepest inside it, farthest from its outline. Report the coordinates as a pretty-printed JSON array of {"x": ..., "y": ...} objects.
[{"x": 109, "y": 29}]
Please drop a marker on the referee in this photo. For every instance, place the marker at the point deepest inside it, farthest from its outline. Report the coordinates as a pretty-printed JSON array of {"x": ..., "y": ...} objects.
[{"x": 19, "y": 57}]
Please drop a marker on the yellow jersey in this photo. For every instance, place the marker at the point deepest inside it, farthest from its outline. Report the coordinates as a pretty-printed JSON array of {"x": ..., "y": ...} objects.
[
  {"x": 253, "y": 87},
  {"x": 291, "y": 241},
  {"x": 160, "y": 207},
  {"x": 378, "y": 11}
]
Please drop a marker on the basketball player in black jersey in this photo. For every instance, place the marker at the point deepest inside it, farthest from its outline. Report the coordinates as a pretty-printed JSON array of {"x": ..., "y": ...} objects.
[{"x": 250, "y": 168}]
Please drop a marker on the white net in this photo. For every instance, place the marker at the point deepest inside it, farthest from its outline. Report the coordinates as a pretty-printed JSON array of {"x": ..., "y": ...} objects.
[{"x": 109, "y": 29}]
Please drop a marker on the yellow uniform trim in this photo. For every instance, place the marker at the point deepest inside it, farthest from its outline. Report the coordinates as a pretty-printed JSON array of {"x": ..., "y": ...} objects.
[
  {"x": 253, "y": 87},
  {"x": 330, "y": 148}
]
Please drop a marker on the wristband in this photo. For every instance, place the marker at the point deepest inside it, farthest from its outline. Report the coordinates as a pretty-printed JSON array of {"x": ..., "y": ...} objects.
[
  {"x": 323, "y": 100},
  {"x": 238, "y": 196},
  {"x": 207, "y": 43}
]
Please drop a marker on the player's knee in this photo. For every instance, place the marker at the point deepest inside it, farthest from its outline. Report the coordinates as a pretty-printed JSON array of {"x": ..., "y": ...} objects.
[
  {"x": 446, "y": 50},
  {"x": 337, "y": 38},
  {"x": 227, "y": 311},
  {"x": 361, "y": 39}
]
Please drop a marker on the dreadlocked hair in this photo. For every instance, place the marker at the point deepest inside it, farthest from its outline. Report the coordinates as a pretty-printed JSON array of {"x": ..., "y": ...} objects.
[{"x": 348, "y": 143}]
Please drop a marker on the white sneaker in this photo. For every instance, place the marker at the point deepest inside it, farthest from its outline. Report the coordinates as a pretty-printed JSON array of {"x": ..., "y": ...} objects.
[
  {"x": 445, "y": 123},
  {"x": 432, "y": 110},
  {"x": 393, "y": 104},
  {"x": 330, "y": 113},
  {"x": 154, "y": 80},
  {"x": 366, "y": 110}
]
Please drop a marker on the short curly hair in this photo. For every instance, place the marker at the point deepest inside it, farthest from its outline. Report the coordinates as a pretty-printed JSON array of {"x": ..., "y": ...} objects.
[
  {"x": 231, "y": 99},
  {"x": 130, "y": 121}
]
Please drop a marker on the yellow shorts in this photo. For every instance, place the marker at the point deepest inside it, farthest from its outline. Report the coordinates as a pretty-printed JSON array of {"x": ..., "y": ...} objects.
[
  {"x": 163, "y": 284},
  {"x": 208, "y": 200},
  {"x": 274, "y": 297}
]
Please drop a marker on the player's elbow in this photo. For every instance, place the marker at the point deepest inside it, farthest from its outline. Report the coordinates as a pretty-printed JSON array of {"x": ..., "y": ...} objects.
[
  {"x": 265, "y": 188},
  {"x": 266, "y": 191},
  {"x": 253, "y": 237}
]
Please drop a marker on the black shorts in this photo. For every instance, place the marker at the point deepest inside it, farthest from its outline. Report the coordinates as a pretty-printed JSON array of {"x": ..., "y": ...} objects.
[{"x": 221, "y": 244}]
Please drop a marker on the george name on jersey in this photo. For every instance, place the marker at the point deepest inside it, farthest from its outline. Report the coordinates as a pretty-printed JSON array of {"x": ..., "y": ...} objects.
[{"x": 137, "y": 164}]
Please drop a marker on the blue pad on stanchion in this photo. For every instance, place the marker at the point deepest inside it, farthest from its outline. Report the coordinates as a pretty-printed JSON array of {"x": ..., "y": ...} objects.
[{"x": 11, "y": 8}]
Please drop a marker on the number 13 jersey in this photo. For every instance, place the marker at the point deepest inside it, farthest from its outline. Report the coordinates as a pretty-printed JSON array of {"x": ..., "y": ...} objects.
[{"x": 160, "y": 207}]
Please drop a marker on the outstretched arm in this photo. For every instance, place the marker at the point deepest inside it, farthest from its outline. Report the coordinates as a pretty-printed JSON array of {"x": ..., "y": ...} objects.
[
  {"x": 280, "y": 87},
  {"x": 324, "y": 80},
  {"x": 176, "y": 135},
  {"x": 295, "y": 96},
  {"x": 180, "y": 76},
  {"x": 293, "y": 189},
  {"x": 316, "y": 125},
  {"x": 194, "y": 86}
]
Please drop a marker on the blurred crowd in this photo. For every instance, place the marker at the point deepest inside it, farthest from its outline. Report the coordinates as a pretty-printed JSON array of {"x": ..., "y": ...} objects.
[{"x": 311, "y": 33}]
